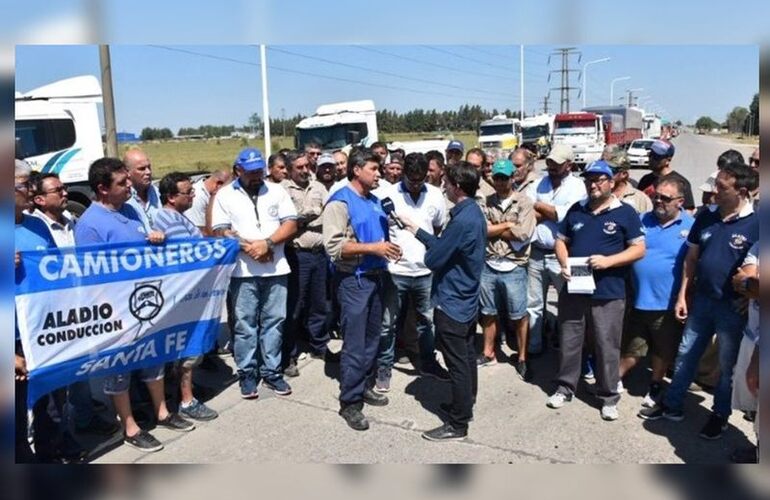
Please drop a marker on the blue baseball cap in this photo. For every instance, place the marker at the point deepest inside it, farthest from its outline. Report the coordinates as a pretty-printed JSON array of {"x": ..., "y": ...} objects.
[
  {"x": 503, "y": 167},
  {"x": 250, "y": 159},
  {"x": 663, "y": 149},
  {"x": 599, "y": 167},
  {"x": 455, "y": 145}
]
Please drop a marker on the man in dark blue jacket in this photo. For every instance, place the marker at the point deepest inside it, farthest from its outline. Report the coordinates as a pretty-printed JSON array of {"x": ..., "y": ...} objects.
[{"x": 457, "y": 259}]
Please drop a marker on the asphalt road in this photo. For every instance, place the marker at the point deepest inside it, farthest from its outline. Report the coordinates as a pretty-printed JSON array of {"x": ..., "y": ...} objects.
[{"x": 512, "y": 423}]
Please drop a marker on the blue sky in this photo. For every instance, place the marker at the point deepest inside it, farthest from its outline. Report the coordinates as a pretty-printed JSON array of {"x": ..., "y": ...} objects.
[{"x": 186, "y": 85}]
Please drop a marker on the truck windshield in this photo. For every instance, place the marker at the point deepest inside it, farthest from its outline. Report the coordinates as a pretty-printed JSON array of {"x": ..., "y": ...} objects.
[
  {"x": 506, "y": 128},
  {"x": 575, "y": 127},
  {"x": 534, "y": 132},
  {"x": 38, "y": 137},
  {"x": 333, "y": 137}
]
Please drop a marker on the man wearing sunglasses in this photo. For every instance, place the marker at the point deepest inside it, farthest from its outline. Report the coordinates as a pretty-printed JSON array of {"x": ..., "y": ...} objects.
[
  {"x": 661, "y": 154},
  {"x": 609, "y": 234},
  {"x": 651, "y": 324}
]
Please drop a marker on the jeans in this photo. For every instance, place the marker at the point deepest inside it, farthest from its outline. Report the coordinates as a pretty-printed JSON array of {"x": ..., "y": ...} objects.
[
  {"x": 360, "y": 299},
  {"x": 543, "y": 270},
  {"x": 504, "y": 292},
  {"x": 259, "y": 305},
  {"x": 396, "y": 290},
  {"x": 307, "y": 302},
  {"x": 707, "y": 316},
  {"x": 455, "y": 340}
]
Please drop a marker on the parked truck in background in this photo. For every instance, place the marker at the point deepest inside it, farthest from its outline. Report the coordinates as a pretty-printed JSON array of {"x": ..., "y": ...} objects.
[
  {"x": 652, "y": 126},
  {"x": 338, "y": 125},
  {"x": 500, "y": 134},
  {"x": 58, "y": 131},
  {"x": 590, "y": 130},
  {"x": 537, "y": 130}
]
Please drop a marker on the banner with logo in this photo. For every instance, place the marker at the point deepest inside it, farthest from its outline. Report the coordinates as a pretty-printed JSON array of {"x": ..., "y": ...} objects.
[{"x": 100, "y": 310}]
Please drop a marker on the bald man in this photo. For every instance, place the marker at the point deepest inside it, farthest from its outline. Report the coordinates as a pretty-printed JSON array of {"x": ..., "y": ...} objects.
[{"x": 145, "y": 197}]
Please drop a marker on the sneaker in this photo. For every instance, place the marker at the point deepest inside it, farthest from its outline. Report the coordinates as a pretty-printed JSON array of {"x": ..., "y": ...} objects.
[
  {"x": 291, "y": 370},
  {"x": 382, "y": 382},
  {"x": 749, "y": 415},
  {"x": 610, "y": 412},
  {"x": 621, "y": 388},
  {"x": 435, "y": 370},
  {"x": 302, "y": 356},
  {"x": 225, "y": 351},
  {"x": 557, "y": 400},
  {"x": 278, "y": 386},
  {"x": 249, "y": 388},
  {"x": 403, "y": 359},
  {"x": 445, "y": 432},
  {"x": 524, "y": 371},
  {"x": 198, "y": 411},
  {"x": 143, "y": 441},
  {"x": 354, "y": 418},
  {"x": 653, "y": 396},
  {"x": 660, "y": 411},
  {"x": 98, "y": 426},
  {"x": 327, "y": 355},
  {"x": 589, "y": 374},
  {"x": 70, "y": 451},
  {"x": 485, "y": 360},
  {"x": 373, "y": 398},
  {"x": 714, "y": 428},
  {"x": 176, "y": 423}
]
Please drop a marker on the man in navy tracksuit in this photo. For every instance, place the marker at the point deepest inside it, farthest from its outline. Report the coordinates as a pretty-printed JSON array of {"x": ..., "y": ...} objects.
[{"x": 355, "y": 233}]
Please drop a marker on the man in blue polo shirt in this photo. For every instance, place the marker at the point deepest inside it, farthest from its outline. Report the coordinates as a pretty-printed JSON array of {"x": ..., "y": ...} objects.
[
  {"x": 607, "y": 232},
  {"x": 718, "y": 243},
  {"x": 651, "y": 323}
]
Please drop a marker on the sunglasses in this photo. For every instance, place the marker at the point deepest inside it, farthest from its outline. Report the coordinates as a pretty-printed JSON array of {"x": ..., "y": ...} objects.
[
  {"x": 664, "y": 198},
  {"x": 57, "y": 190}
]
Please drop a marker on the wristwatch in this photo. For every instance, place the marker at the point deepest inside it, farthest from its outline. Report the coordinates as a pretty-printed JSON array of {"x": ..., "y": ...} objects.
[{"x": 270, "y": 244}]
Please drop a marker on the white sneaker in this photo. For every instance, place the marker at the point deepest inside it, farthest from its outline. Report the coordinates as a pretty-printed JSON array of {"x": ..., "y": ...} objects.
[
  {"x": 621, "y": 389},
  {"x": 610, "y": 412},
  {"x": 557, "y": 400}
]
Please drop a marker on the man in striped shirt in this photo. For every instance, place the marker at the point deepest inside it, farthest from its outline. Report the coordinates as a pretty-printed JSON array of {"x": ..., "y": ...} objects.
[{"x": 176, "y": 194}]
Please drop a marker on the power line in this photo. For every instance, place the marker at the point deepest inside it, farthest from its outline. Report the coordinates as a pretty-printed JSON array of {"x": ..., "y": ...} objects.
[
  {"x": 395, "y": 75},
  {"x": 443, "y": 51},
  {"x": 307, "y": 73}
]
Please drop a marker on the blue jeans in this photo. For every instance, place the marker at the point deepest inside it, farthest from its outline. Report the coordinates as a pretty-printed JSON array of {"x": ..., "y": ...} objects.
[
  {"x": 543, "y": 270},
  {"x": 504, "y": 292},
  {"x": 360, "y": 300},
  {"x": 260, "y": 308},
  {"x": 707, "y": 316},
  {"x": 396, "y": 290}
]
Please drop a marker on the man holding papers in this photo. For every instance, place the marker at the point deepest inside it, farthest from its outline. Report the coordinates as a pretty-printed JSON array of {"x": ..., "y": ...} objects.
[{"x": 607, "y": 235}]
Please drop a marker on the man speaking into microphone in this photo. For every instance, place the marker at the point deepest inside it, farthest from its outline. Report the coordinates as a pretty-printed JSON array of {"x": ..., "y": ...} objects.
[
  {"x": 456, "y": 259},
  {"x": 355, "y": 232}
]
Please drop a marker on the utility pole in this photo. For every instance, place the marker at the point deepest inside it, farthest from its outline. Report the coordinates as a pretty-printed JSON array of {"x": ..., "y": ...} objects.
[
  {"x": 565, "y": 88},
  {"x": 521, "y": 82},
  {"x": 265, "y": 103},
  {"x": 108, "y": 101},
  {"x": 630, "y": 95},
  {"x": 545, "y": 105}
]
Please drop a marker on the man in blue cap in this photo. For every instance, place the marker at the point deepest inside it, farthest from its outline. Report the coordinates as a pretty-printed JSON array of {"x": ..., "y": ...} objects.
[
  {"x": 454, "y": 152},
  {"x": 262, "y": 216},
  {"x": 608, "y": 235},
  {"x": 661, "y": 154},
  {"x": 511, "y": 221}
]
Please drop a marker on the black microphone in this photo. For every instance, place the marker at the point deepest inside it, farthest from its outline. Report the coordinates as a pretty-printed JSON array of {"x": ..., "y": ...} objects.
[{"x": 389, "y": 209}]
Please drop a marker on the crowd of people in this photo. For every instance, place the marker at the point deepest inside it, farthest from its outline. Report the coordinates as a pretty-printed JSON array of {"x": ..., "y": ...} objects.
[{"x": 408, "y": 254}]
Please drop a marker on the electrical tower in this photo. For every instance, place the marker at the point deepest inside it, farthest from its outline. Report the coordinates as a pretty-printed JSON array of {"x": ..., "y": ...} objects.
[
  {"x": 565, "y": 88},
  {"x": 545, "y": 103}
]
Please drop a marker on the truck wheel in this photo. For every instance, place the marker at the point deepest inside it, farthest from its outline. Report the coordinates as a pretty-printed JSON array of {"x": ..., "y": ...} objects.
[{"x": 75, "y": 208}]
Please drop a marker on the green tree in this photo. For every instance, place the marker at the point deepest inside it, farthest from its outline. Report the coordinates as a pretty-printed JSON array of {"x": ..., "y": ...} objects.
[
  {"x": 255, "y": 122},
  {"x": 754, "y": 115},
  {"x": 736, "y": 119},
  {"x": 706, "y": 123}
]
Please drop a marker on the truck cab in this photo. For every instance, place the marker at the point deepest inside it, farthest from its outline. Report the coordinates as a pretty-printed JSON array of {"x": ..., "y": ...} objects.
[
  {"x": 501, "y": 134},
  {"x": 338, "y": 125},
  {"x": 57, "y": 131},
  {"x": 582, "y": 131}
]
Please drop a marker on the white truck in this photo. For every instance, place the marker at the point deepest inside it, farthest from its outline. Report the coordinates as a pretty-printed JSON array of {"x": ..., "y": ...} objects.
[
  {"x": 57, "y": 130},
  {"x": 537, "y": 130},
  {"x": 653, "y": 126},
  {"x": 339, "y": 124},
  {"x": 500, "y": 134}
]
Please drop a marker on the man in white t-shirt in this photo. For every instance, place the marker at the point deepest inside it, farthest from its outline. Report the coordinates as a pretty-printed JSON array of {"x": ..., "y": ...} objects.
[
  {"x": 204, "y": 190},
  {"x": 409, "y": 278},
  {"x": 262, "y": 216}
]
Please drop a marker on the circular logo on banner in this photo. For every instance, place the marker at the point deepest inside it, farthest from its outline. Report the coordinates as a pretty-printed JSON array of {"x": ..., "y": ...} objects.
[{"x": 146, "y": 301}]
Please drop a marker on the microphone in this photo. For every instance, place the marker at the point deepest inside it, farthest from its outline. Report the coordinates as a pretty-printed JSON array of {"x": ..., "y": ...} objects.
[{"x": 389, "y": 209}]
